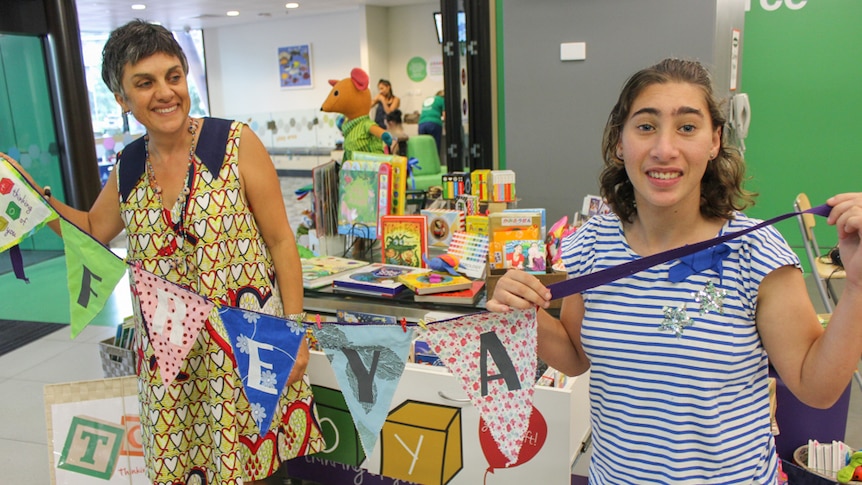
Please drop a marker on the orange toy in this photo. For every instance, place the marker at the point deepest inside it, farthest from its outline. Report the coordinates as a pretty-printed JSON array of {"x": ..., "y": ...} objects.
[{"x": 351, "y": 97}]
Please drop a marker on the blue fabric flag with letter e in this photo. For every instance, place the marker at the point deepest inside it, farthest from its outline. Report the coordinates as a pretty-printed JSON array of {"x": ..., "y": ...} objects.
[
  {"x": 265, "y": 349},
  {"x": 92, "y": 270}
]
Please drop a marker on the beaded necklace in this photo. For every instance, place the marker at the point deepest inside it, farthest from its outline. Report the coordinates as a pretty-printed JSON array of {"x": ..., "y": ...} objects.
[{"x": 178, "y": 210}]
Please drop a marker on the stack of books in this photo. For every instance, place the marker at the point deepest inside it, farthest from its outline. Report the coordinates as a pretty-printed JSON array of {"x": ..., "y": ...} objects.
[
  {"x": 320, "y": 271},
  {"x": 468, "y": 296},
  {"x": 431, "y": 283},
  {"x": 376, "y": 279}
]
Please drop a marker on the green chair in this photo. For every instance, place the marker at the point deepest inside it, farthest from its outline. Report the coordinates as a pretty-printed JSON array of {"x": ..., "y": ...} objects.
[{"x": 430, "y": 172}]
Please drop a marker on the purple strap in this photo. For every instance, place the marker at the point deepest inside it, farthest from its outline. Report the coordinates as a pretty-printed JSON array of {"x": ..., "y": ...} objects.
[
  {"x": 592, "y": 280},
  {"x": 18, "y": 263}
]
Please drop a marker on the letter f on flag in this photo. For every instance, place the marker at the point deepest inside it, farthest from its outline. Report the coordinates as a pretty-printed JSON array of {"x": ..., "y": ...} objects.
[{"x": 93, "y": 272}]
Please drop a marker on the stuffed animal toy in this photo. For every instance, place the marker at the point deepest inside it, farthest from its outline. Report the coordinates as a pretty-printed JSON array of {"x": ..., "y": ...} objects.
[{"x": 351, "y": 98}]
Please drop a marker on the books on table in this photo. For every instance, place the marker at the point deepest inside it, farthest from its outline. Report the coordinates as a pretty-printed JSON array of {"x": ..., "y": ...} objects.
[
  {"x": 434, "y": 282},
  {"x": 376, "y": 279},
  {"x": 461, "y": 297},
  {"x": 319, "y": 271}
]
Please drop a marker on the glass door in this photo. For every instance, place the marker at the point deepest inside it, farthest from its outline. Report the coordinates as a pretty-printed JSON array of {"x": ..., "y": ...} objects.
[{"x": 27, "y": 125}]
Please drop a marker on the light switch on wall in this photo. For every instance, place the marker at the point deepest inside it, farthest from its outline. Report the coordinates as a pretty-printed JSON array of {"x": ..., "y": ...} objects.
[{"x": 573, "y": 51}]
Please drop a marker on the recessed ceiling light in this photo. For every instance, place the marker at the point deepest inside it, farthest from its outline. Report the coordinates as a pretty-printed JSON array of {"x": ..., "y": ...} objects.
[
  {"x": 232, "y": 13},
  {"x": 291, "y": 5},
  {"x": 139, "y": 6}
]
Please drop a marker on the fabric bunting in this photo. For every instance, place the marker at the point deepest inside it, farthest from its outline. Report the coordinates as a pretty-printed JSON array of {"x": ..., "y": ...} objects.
[
  {"x": 265, "y": 349},
  {"x": 92, "y": 272},
  {"x": 494, "y": 357},
  {"x": 22, "y": 212},
  {"x": 173, "y": 317},
  {"x": 368, "y": 361}
]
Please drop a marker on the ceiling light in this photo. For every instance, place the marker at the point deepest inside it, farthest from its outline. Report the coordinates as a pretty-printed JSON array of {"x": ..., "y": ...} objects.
[
  {"x": 232, "y": 13},
  {"x": 291, "y": 5},
  {"x": 139, "y": 6}
]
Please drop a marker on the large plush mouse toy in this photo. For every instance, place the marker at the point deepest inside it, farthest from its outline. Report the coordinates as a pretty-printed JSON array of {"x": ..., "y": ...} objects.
[{"x": 351, "y": 97}]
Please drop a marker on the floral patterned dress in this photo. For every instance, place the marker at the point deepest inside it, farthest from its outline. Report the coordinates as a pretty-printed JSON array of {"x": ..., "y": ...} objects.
[{"x": 200, "y": 429}]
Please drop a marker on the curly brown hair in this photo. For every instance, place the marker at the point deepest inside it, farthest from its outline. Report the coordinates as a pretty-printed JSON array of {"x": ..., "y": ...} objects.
[{"x": 721, "y": 187}]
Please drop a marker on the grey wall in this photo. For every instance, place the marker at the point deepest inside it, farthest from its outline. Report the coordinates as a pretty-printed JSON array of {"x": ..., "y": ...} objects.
[{"x": 556, "y": 111}]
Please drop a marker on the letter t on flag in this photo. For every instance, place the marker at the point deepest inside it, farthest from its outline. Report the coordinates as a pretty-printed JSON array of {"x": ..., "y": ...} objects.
[{"x": 92, "y": 270}]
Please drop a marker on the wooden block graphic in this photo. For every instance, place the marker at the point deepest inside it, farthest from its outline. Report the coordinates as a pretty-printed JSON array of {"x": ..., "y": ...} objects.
[
  {"x": 421, "y": 443},
  {"x": 336, "y": 425}
]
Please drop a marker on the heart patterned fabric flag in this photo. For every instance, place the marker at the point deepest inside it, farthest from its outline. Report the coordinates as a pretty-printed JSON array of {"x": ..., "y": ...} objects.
[
  {"x": 173, "y": 315},
  {"x": 494, "y": 357},
  {"x": 265, "y": 349}
]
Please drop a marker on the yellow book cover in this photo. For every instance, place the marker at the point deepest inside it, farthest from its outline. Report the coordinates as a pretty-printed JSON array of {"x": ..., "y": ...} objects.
[{"x": 434, "y": 282}]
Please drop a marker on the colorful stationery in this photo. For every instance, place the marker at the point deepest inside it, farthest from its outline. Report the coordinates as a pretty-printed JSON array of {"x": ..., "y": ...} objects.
[{"x": 472, "y": 253}]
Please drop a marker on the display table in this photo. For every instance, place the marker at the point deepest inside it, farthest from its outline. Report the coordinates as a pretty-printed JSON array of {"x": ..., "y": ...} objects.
[{"x": 432, "y": 432}]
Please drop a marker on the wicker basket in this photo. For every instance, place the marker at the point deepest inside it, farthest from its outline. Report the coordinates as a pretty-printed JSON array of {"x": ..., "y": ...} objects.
[
  {"x": 800, "y": 457},
  {"x": 116, "y": 361}
]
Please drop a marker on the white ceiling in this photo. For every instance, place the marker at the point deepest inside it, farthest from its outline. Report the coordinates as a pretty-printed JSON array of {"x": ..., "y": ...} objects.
[{"x": 101, "y": 16}]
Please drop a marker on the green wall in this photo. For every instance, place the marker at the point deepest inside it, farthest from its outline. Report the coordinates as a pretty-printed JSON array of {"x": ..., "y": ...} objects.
[{"x": 802, "y": 68}]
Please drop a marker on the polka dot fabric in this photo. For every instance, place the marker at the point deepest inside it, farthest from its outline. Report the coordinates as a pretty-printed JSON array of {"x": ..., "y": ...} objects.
[{"x": 173, "y": 317}]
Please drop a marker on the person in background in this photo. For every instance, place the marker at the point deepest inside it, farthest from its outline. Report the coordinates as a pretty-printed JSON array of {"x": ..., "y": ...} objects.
[
  {"x": 385, "y": 101},
  {"x": 431, "y": 117},
  {"x": 172, "y": 171},
  {"x": 679, "y": 359},
  {"x": 396, "y": 129}
]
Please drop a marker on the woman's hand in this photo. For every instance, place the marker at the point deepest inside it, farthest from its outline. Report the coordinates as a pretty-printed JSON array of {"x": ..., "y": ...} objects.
[
  {"x": 300, "y": 365},
  {"x": 517, "y": 289},
  {"x": 846, "y": 216}
]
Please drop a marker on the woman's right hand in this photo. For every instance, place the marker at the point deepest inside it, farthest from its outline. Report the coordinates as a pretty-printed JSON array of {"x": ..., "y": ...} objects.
[{"x": 517, "y": 289}]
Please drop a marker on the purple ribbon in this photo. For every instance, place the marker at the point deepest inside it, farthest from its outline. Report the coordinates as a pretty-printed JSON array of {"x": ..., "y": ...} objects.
[
  {"x": 18, "y": 263},
  {"x": 605, "y": 276}
]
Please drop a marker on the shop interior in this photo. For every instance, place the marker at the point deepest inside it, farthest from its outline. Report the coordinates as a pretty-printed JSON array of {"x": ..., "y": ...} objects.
[{"x": 527, "y": 88}]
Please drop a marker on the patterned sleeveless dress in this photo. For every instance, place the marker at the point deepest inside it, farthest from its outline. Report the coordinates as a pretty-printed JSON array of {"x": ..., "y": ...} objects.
[{"x": 199, "y": 430}]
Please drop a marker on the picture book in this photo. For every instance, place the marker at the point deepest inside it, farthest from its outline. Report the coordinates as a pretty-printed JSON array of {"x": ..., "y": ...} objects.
[
  {"x": 510, "y": 226},
  {"x": 398, "y": 177},
  {"x": 358, "y": 191},
  {"x": 461, "y": 297},
  {"x": 404, "y": 240},
  {"x": 527, "y": 255},
  {"x": 442, "y": 224},
  {"x": 472, "y": 253},
  {"x": 319, "y": 271},
  {"x": 434, "y": 282},
  {"x": 375, "y": 279}
]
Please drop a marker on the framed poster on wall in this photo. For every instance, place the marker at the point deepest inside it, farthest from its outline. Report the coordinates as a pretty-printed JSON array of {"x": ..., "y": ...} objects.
[{"x": 294, "y": 66}]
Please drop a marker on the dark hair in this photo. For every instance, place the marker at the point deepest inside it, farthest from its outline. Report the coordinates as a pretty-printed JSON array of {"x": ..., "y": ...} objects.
[
  {"x": 132, "y": 42},
  {"x": 721, "y": 191},
  {"x": 394, "y": 116},
  {"x": 388, "y": 85}
]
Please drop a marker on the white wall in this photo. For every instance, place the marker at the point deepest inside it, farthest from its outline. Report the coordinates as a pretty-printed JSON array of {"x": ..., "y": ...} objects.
[
  {"x": 242, "y": 66},
  {"x": 412, "y": 33},
  {"x": 242, "y": 62}
]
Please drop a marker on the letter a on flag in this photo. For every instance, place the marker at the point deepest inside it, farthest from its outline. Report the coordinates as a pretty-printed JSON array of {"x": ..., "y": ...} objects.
[
  {"x": 173, "y": 316},
  {"x": 93, "y": 271},
  {"x": 494, "y": 357}
]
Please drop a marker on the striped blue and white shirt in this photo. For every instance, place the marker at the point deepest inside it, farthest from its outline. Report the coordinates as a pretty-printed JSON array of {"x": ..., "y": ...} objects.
[{"x": 692, "y": 409}]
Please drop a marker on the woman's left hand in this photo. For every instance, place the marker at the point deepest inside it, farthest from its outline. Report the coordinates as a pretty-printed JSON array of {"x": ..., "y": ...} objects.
[{"x": 846, "y": 216}]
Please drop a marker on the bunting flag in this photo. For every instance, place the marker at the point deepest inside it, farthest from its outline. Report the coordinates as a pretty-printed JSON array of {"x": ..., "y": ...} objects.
[
  {"x": 22, "y": 212},
  {"x": 173, "y": 317},
  {"x": 368, "y": 361},
  {"x": 92, "y": 271},
  {"x": 494, "y": 356},
  {"x": 265, "y": 349}
]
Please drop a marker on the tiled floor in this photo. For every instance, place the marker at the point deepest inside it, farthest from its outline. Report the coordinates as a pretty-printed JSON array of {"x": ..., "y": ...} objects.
[{"x": 56, "y": 358}]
